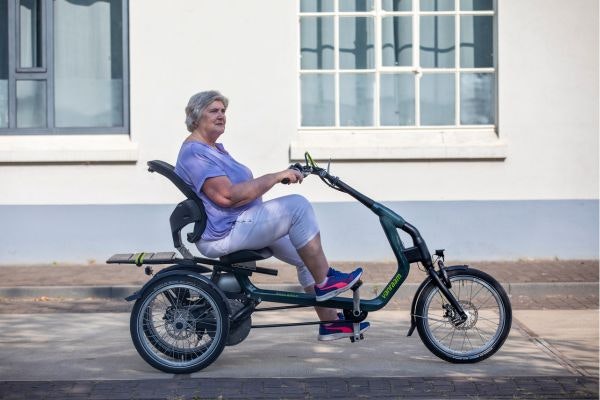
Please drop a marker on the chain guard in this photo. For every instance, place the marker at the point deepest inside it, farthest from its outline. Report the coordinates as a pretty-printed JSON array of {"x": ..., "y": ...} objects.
[{"x": 239, "y": 331}]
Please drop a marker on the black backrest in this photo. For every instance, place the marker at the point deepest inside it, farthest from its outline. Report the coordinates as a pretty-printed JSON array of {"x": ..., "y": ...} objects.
[
  {"x": 186, "y": 212},
  {"x": 168, "y": 171}
]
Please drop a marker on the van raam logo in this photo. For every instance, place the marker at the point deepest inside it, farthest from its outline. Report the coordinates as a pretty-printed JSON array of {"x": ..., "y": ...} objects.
[{"x": 391, "y": 286}]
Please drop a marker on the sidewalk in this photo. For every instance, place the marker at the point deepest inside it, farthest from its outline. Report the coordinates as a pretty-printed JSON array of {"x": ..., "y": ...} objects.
[{"x": 550, "y": 354}]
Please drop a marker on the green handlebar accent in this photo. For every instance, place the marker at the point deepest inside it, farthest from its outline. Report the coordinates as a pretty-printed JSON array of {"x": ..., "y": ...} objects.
[{"x": 309, "y": 160}]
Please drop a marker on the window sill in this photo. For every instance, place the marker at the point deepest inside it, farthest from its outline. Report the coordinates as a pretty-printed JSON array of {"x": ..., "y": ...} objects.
[
  {"x": 67, "y": 148},
  {"x": 431, "y": 144}
]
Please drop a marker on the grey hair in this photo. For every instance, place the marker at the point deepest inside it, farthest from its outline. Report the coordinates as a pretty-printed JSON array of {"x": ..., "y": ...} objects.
[{"x": 197, "y": 105}]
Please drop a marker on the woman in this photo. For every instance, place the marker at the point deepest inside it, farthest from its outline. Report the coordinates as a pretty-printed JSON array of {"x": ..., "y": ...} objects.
[{"x": 238, "y": 218}]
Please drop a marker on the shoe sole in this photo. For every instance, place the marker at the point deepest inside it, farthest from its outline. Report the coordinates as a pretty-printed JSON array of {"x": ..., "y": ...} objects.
[
  {"x": 334, "y": 293},
  {"x": 341, "y": 335}
]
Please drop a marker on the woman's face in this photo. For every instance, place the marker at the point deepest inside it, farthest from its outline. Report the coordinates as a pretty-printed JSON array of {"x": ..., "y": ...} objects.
[{"x": 213, "y": 118}]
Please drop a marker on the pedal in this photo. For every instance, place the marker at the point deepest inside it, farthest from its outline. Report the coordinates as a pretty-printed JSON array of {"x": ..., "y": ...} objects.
[{"x": 356, "y": 285}]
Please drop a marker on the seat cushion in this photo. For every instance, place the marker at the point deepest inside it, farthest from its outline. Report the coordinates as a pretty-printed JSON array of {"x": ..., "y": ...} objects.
[{"x": 246, "y": 256}]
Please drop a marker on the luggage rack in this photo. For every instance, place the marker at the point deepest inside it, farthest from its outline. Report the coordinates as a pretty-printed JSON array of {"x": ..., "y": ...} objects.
[{"x": 143, "y": 258}]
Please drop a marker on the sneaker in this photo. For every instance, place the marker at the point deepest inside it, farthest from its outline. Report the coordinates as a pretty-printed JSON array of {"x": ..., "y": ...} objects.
[
  {"x": 336, "y": 283},
  {"x": 340, "y": 330}
]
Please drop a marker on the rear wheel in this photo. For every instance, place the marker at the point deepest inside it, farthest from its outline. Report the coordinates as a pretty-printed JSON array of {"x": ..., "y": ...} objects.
[
  {"x": 486, "y": 328},
  {"x": 180, "y": 325}
]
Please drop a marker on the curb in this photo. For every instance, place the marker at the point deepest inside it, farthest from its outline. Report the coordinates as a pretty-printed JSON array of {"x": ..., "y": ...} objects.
[{"x": 533, "y": 289}]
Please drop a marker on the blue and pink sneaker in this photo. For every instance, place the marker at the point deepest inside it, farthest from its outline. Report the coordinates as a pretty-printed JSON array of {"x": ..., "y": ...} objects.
[
  {"x": 336, "y": 283},
  {"x": 340, "y": 330}
]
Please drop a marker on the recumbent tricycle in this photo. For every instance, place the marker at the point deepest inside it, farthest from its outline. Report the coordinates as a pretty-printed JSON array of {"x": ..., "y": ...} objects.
[{"x": 186, "y": 314}]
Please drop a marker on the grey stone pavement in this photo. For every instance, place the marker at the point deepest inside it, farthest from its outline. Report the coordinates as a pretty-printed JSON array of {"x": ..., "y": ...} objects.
[{"x": 64, "y": 334}]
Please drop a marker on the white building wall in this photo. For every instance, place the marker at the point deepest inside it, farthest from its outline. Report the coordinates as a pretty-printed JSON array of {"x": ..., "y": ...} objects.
[{"x": 547, "y": 113}]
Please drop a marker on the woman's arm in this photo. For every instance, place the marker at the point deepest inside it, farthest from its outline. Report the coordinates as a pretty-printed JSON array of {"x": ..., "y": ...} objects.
[{"x": 222, "y": 192}]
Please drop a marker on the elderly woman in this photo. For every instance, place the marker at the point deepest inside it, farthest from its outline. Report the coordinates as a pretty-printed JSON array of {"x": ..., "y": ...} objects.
[{"x": 238, "y": 218}]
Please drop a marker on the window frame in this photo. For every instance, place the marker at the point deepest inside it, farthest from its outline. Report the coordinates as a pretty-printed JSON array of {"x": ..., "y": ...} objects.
[
  {"x": 457, "y": 141},
  {"x": 16, "y": 73}
]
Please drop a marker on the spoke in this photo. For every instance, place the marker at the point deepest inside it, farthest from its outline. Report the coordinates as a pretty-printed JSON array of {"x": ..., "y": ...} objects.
[
  {"x": 493, "y": 321},
  {"x": 449, "y": 333},
  {"x": 434, "y": 328},
  {"x": 469, "y": 340},
  {"x": 489, "y": 295},
  {"x": 443, "y": 321},
  {"x": 442, "y": 299},
  {"x": 483, "y": 339},
  {"x": 480, "y": 289},
  {"x": 452, "y": 338}
]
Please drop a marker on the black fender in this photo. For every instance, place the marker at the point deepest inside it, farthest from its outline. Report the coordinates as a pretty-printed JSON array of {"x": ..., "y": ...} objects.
[
  {"x": 413, "y": 319},
  {"x": 181, "y": 270}
]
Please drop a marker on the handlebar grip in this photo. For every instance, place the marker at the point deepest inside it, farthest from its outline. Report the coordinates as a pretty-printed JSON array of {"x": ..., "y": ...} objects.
[{"x": 297, "y": 167}]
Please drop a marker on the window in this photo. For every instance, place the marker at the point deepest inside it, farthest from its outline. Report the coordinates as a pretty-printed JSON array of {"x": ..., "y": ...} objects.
[
  {"x": 63, "y": 66},
  {"x": 397, "y": 65}
]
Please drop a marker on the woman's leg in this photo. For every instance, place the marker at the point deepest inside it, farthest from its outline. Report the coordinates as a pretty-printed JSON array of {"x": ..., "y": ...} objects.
[
  {"x": 284, "y": 250},
  {"x": 312, "y": 254},
  {"x": 292, "y": 215},
  {"x": 262, "y": 225}
]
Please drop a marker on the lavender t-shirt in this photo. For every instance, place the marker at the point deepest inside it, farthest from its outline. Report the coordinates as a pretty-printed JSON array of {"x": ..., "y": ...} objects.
[{"x": 196, "y": 163}]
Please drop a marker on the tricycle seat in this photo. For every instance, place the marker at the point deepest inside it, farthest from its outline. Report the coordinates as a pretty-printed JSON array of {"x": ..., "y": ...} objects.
[{"x": 243, "y": 256}]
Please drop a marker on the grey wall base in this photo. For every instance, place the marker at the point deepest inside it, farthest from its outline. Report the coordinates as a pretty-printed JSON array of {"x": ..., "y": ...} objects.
[{"x": 468, "y": 230}]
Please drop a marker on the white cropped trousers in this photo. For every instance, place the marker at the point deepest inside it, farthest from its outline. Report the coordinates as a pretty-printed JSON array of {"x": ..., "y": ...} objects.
[{"x": 284, "y": 225}]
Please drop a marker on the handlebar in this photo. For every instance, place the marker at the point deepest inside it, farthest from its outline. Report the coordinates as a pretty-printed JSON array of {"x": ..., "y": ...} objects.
[
  {"x": 298, "y": 168},
  {"x": 311, "y": 168}
]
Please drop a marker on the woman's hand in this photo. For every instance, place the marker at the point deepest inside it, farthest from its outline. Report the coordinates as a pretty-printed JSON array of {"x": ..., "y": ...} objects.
[{"x": 289, "y": 176}]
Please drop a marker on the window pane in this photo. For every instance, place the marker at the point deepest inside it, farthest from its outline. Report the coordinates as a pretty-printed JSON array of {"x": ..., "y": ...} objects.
[
  {"x": 437, "y": 99},
  {"x": 477, "y": 99},
  {"x": 396, "y": 5},
  {"x": 88, "y": 63},
  {"x": 356, "y": 43},
  {"x": 3, "y": 64},
  {"x": 316, "y": 5},
  {"x": 316, "y": 42},
  {"x": 476, "y": 41},
  {"x": 476, "y": 5},
  {"x": 318, "y": 103},
  {"x": 356, "y": 5},
  {"x": 437, "y": 5},
  {"x": 396, "y": 35},
  {"x": 356, "y": 99},
  {"x": 3, "y": 103},
  {"x": 31, "y": 104},
  {"x": 30, "y": 33},
  {"x": 437, "y": 41},
  {"x": 397, "y": 99}
]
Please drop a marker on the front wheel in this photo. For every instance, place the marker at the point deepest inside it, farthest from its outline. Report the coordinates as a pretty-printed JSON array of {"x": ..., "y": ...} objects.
[
  {"x": 180, "y": 325},
  {"x": 486, "y": 328}
]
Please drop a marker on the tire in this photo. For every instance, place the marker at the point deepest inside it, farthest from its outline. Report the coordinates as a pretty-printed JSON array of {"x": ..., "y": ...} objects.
[
  {"x": 484, "y": 332},
  {"x": 180, "y": 325}
]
